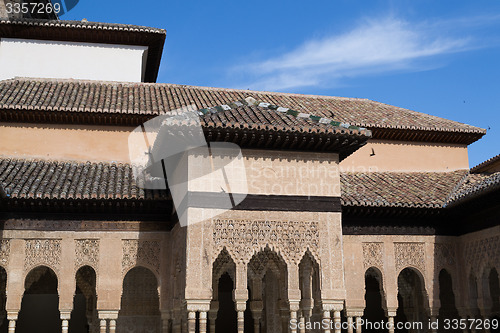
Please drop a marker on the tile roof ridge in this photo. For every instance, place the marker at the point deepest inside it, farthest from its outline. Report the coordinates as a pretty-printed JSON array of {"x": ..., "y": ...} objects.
[
  {"x": 484, "y": 163},
  {"x": 165, "y": 84},
  {"x": 81, "y": 24},
  {"x": 403, "y": 172},
  {"x": 32, "y": 159}
]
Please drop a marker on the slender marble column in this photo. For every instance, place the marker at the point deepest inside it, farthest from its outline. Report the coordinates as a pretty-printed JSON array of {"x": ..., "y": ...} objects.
[
  {"x": 302, "y": 327},
  {"x": 12, "y": 326},
  {"x": 112, "y": 326},
  {"x": 203, "y": 322},
  {"x": 350, "y": 324},
  {"x": 359, "y": 327},
  {"x": 293, "y": 318},
  {"x": 192, "y": 322},
  {"x": 326, "y": 318},
  {"x": 103, "y": 326},
  {"x": 241, "y": 321},
  {"x": 336, "y": 321},
  {"x": 391, "y": 324}
]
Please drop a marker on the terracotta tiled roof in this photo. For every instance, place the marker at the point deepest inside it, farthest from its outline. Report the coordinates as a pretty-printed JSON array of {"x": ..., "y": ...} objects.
[
  {"x": 105, "y": 102},
  {"x": 473, "y": 185},
  {"x": 399, "y": 189},
  {"x": 481, "y": 167},
  {"x": 256, "y": 117},
  {"x": 38, "y": 179}
]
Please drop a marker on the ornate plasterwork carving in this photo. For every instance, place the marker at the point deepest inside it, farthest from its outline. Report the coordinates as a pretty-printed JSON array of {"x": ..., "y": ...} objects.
[
  {"x": 409, "y": 254},
  {"x": 86, "y": 253},
  {"x": 444, "y": 255},
  {"x": 4, "y": 252},
  {"x": 42, "y": 252},
  {"x": 373, "y": 255},
  {"x": 242, "y": 238},
  {"x": 141, "y": 252},
  {"x": 480, "y": 252}
]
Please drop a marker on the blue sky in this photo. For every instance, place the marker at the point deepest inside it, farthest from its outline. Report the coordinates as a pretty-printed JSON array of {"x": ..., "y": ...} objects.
[{"x": 437, "y": 57}]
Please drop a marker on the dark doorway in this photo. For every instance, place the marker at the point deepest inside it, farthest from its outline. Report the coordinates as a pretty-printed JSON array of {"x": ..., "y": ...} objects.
[
  {"x": 140, "y": 304},
  {"x": 412, "y": 301},
  {"x": 4, "y": 324},
  {"x": 84, "y": 314},
  {"x": 448, "y": 309},
  {"x": 39, "y": 308},
  {"x": 226, "y": 316},
  {"x": 374, "y": 311}
]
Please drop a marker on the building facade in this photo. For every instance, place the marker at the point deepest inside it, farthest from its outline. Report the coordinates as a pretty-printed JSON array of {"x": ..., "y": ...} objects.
[{"x": 355, "y": 210}]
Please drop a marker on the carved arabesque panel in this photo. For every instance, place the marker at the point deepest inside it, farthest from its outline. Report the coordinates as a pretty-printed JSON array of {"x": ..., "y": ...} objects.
[
  {"x": 244, "y": 237},
  {"x": 482, "y": 251},
  {"x": 373, "y": 255},
  {"x": 444, "y": 255},
  {"x": 42, "y": 252},
  {"x": 137, "y": 252},
  {"x": 4, "y": 252},
  {"x": 410, "y": 254},
  {"x": 86, "y": 253}
]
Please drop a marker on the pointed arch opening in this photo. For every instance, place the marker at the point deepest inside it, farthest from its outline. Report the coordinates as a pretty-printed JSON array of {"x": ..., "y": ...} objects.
[
  {"x": 140, "y": 303},
  {"x": 494, "y": 285},
  {"x": 448, "y": 309},
  {"x": 40, "y": 304},
  {"x": 84, "y": 316},
  {"x": 309, "y": 282},
  {"x": 412, "y": 299},
  {"x": 223, "y": 316},
  {"x": 268, "y": 281},
  {"x": 375, "y": 301}
]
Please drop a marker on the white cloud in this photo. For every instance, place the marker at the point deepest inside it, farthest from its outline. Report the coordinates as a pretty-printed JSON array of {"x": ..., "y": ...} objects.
[{"x": 375, "y": 46}]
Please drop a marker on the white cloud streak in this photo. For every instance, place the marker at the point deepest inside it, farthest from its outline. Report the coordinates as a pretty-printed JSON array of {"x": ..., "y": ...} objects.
[{"x": 376, "y": 46}]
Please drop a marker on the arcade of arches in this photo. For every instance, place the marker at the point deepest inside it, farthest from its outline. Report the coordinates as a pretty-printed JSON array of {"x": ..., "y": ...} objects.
[{"x": 258, "y": 284}]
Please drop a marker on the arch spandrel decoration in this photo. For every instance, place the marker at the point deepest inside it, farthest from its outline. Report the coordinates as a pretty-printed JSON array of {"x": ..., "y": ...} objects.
[
  {"x": 373, "y": 255},
  {"x": 87, "y": 253},
  {"x": 144, "y": 253},
  {"x": 244, "y": 238},
  {"x": 42, "y": 252},
  {"x": 409, "y": 254}
]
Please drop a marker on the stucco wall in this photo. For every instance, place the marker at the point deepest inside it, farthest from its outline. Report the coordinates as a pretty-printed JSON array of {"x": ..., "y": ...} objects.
[
  {"x": 383, "y": 155},
  {"x": 50, "y": 59}
]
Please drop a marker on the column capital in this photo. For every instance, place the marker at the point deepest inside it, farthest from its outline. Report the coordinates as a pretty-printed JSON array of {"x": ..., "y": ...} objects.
[
  {"x": 12, "y": 315},
  {"x": 256, "y": 305},
  {"x": 332, "y": 305},
  {"x": 241, "y": 305},
  {"x": 198, "y": 305},
  {"x": 391, "y": 312},
  {"x": 108, "y": 314},
  {"x": 65, "y": 314},
  {"x": 294, "y": 305},
  {"x": 354, "y": 312}
]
